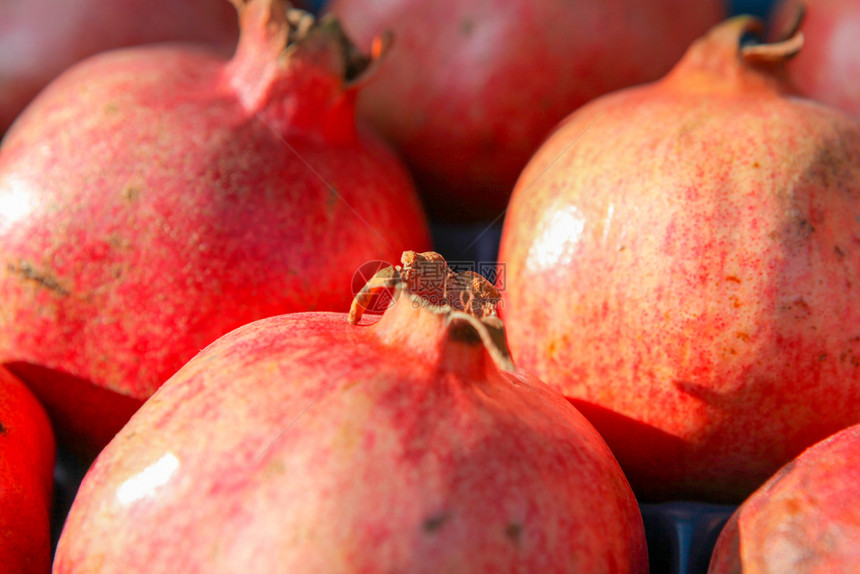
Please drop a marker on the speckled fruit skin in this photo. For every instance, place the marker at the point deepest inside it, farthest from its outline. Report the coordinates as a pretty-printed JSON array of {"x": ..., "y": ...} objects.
[
  {"x": 681, "y": 261},
  {"x": 804, "y": 520},
  {"x": 829, "y": 66},
  {"x": 472, "y": 88},
  {"x": 26, "y": 480},
  {"x": 155, "y": 198},
  {"x": 41, "y": 38},
  {"x": 301, "y": 443}
]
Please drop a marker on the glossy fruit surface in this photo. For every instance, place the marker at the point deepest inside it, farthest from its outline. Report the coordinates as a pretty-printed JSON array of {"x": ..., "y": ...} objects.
[
  {"x": 153, "y": 199},
  {"x": 304, "y": 443},
  {"x": 804, "y": 520},
  {"x": 682, "y": 263},
  {"x": 39, "y": 39},
  {"x": 26, "y": 480},
  {"x": 472, "y": 88}
]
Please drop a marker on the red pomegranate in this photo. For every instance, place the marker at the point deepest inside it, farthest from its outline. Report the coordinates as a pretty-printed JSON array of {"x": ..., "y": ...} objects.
[
  {"x": 41, "y": 38},
  {"x": 681, "y": 263},
  {"x": 303, "y": 443},
  {"x": 828, "y": 68},
  {"x": 472, "y": 88},
  {"x": 26, "y": 480},
  {"x": 803, "y": 520},
  {"x": 153, "y": 199}
]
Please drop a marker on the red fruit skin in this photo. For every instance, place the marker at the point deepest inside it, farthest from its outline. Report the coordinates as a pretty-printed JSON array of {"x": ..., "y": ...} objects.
[
  {"x": 828, "y": 68},
  {"x": 26, "y": 480},
  {"x": 804, "y": 520},
  {"x": 472, "y": 88},
  {"x": 681, "y": 262},
  {"x": 155, "y": 198},
  {"x": 40, "y": 38},
  {"x": 300, "y": 443}
]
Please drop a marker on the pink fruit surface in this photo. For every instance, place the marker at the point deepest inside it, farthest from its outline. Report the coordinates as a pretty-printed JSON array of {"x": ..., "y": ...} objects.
[
  {"x": 303, "y": 443},
  {"x": 472, "y": 88},
  {"x": 26, "y": 480},
  {"x": 804, "y": 520},
  {"x": 39, "y": 39},
  {"x": 828, "y": 68},
  {"x": 154, "y": 198},
  {"x": 682, "y": 264}
]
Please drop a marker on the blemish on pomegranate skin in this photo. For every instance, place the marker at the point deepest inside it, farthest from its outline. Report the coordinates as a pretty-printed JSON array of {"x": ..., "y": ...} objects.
[
  {"x": 434, "y": 523},
  {"x": 131, "y": 193},
  {"x": 2, "y": 428},
  {"x": 743, "y": 336},
  {"x": 802, "y": 307},
  {"x": 45, "y": 280},
  {"x": 514, "y": 532},
  {"x": 733, "y": 278}
]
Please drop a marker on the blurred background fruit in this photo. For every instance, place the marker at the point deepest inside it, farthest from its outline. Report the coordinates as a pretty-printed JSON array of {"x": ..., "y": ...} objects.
[
  {"x": 471, "y": 88},
  {"x": 26, "y": 481},
  {"x": 41, "y": 38},
  {"x": 154, "y": 198}
]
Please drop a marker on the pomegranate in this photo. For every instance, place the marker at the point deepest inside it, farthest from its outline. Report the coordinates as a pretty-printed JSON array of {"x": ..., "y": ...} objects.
[
  {"x": 303, "y": 443},
  {"x": 805, "y": 519},
  {"x": 472, "y": 88},
  {"x": 154, "y": 198},
  {"x": 26, "y": 480},
  {"x": 41, "y": 38},
  {"x": 829, "y": 66},
  {"x": 681, "y": 263}
]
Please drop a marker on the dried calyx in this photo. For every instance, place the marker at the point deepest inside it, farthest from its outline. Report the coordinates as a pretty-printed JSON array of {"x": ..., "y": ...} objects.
[
  {"x": 272, "y": 26},
  {"x": 787, "y": 45},
  {"x": 466, "y": 299},
  {"x": 427, "y": 280},
  {"x": 357, "y": 64}
]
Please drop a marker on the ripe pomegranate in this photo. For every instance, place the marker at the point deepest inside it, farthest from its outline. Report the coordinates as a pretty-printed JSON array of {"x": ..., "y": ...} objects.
[
  {"x": 828, "y": 68},
  {"x": 153, "y": 199},
  {"x": 472, "y": 88},
  {"x": 41, "y": 38},
  {"x": 681, "y": 263},
  {"x": 26, "y": 480},
  {"x": 804, "y": 520},
  {"x": 303, "y": 443}
]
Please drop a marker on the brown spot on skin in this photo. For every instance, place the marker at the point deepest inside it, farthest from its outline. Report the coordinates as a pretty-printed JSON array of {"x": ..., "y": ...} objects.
[
  {"x": 742, "y": 336},
  {"x": 733, "y": 278},
  {"x": 802, "y": 308},
  {"x": 756, "y": 164},
  {"x": 434, "y": 523},
  {"x": 467, "y": 26},
  {"x": 45, "y": 280},
  {"x": 839, "y": 252},
  {"x": 131, "y": 193},
  {"x": 2, "y": 428},
  {"x": 514, "y": 532}
]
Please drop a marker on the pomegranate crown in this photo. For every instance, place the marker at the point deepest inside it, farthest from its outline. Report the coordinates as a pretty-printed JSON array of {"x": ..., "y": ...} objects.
[{"x": 468, "y": 300}]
